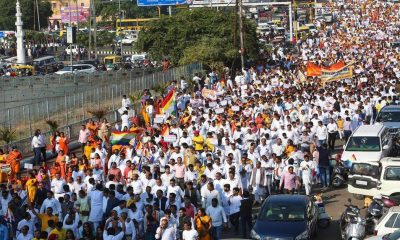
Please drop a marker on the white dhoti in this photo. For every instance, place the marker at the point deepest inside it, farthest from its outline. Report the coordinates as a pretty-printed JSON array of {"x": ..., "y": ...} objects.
[{"x": 258, "y": 191}]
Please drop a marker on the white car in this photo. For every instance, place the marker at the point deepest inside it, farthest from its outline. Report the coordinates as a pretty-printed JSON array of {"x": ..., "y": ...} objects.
[
  {"x": 388, "y": 223},
  {"x": 128, "y": 40},
  {"x": 77, "y": 69},
  {"x": 391, "y": 236}
]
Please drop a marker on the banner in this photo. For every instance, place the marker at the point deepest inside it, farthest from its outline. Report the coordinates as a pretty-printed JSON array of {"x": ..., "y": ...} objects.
[
  {"x": 161, "y": 2},
  {"x": 81, "y": 14},
  {"x": 337, "y": 74},
  {"x": 208, "y": 93},
  {"x": 334, "y": 72}
]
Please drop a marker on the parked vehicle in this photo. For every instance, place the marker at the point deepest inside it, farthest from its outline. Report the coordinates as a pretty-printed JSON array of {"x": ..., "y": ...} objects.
[
  {"x": 47, "y": 64},
  {"x": 286, "y": 217},
  {"x": 372, "y": 179},
  {"x": 340, "y": 174},
  {"x": 352, "y": 225},
  {"x": 390, "y": 236},
  {"x": 389, "y": 116},
  {"x": 389, "y": 222},
  {"x": 324, "y": 220},
  {"x": 77, "y": 69},
  {"x": 379, "y": 206}
]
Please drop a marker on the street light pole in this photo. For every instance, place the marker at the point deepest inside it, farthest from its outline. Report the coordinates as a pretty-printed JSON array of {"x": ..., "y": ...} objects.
[
  {"x": 120, "y": 22},
  {"x": 241, "y": 32},
  {"x": 70, "y": 25}
]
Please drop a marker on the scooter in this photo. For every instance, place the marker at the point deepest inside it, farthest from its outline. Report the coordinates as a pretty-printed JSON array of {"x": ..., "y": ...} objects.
[
  {"x": 352, "y": 225},
  {"x": 324, "y": 220},
  {"x": 340, "y": 174},
  {"x": 379, "y": 206}
]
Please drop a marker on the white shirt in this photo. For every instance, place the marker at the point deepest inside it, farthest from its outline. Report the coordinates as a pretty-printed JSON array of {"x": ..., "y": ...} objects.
[
  {"x": 29, "y": 223},
  {"x": 165, "y": 234},
  {"x": 190, "y": 234},
  {"x": 217, "y": 215},
  {"x": 57, "y": 185},
  {"x": 26, "y": 237},
  {"x": 321, "y": 133},
  {"x": 332, "y": 127},
  {"x": 119, "y": 236},
  {"x": 234, "y": 204},
  {"x": 36, "y": 142},
  {"x": 52, "y": 203},
  {"x": 126, "y": 102}
]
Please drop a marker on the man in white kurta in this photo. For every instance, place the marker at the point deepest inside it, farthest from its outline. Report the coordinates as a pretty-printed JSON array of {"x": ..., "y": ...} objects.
[
  {"x": 96, "y": 204},
  {"x": 258, "y": 181},
  {"x": 306, "y": 168}
]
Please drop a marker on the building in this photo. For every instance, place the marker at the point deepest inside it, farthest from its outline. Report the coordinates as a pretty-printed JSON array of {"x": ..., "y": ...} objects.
[{"x": 63, "y": 13}]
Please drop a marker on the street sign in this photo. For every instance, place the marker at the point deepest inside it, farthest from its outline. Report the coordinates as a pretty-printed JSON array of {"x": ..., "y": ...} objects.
[
  {"x": 144, "y": 3},
  {"x": 71, "y": 34}
]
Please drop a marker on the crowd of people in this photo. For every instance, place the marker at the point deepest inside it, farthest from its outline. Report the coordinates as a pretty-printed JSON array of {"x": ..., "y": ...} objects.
[{"x": 234, "y": 139}]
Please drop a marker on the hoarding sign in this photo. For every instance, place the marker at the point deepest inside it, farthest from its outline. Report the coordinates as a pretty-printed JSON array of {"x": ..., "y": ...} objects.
[
  {"x": 162, "y": 2},
  {"x": 81, "y": 14}
]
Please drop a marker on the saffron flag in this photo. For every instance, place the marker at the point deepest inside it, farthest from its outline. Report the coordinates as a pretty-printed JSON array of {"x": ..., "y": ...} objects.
[
  {"x": 313, "y": 70},
  {"x": 165, "y": 131},
  {"x": 122, "y": 138},
  {"x": 349, "y": 162},
  {"x": 168, "y": 105}
]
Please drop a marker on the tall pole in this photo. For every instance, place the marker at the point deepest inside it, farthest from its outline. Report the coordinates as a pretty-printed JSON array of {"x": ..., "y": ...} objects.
[
  {"x": 90, "y": 28},
  {"x": 37, "y": 11},
  {"x": 95, "y": 30},
  {"x": 77, "y": 17},
  {"x": 241, "y": 32},
  {"x": 120, "y": 21},
  {"x": 290, "y": 22},
  {"x": 70, "y": 25}
]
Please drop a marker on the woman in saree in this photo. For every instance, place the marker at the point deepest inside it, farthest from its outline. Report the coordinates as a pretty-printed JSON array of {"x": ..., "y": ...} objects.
[
  {"x": 62, "y": 163},
  {"x": 103, "y": 131},
  {"x": 31, "y": 187},
  {"x": 203, "y": 224},
  {"x": 63, "y": 142}
]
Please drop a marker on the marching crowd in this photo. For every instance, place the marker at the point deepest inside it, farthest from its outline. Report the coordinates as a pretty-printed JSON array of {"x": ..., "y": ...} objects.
[{"x": 235, "y": 140}]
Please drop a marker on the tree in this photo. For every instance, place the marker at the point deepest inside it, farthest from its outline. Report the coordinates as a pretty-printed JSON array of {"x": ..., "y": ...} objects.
[
  {"x": 7, "y": 13},
  {"x": 7, "y": 135},
  {"x": 202, "y": 34},
  {"x": 131, "y": 10}
]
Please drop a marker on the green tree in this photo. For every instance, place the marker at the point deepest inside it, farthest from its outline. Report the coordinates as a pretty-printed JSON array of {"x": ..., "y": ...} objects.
[
  {"x": 109, "y": 10},
  {"x": 201, "y": 34},
  {"x": 7, "y": 13}
]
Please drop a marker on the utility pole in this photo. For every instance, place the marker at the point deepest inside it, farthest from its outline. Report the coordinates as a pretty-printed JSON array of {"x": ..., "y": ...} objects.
[
  {"x": 90, "y": 29},
  {"x": 37, "y": 11},
  {"x": 241, "y": 32},
  {"x": 120, "y": 22},
  {"x": 77, "y": 17},
  {"x": 70, "y": 25}
]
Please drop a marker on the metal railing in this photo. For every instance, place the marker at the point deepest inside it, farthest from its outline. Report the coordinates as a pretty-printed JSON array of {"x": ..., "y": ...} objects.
[{"x": 70, "y": 109}]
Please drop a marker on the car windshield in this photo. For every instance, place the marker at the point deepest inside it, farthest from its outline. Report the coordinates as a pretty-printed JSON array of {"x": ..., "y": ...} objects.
[
  {"x": 282, "y": 212},
  {"x": 363, "y": 144},
  {"x": 365, "y": 169},
  {"x": 388, "y": 117},
  {"x": 67, "y": 68}
]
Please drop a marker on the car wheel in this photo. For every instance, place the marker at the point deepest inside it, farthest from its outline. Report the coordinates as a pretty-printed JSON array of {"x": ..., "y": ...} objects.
[
  {"x": 358, "y": 196},
  {"x": 324, "y": 223}
]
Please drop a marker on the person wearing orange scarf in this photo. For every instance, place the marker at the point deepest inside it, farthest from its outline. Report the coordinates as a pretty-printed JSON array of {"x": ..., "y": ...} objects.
[
  {"x": 63, "y": 142},
  {"x": 14, "y": 158},
  {"x": 62, "y": 163}
]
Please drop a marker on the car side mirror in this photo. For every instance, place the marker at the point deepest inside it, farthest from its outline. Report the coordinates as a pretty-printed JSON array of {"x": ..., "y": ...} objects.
[{"x": 386, "y": 147}]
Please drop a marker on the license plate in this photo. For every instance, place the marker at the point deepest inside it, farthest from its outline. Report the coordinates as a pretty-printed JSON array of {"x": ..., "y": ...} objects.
[{"x": 363, "y": 183}]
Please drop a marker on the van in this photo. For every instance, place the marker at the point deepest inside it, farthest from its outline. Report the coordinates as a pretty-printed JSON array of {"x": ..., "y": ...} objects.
[
  {"x": 368, "y": 143},
  {"x": 389, "y": 116},
  {"x": 47, "y": 64}
]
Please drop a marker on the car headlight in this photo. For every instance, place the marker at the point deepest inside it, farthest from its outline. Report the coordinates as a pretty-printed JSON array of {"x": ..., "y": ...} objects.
[
  {"x": 302, "y": 236},
  {"x": 254, "y": 235}
]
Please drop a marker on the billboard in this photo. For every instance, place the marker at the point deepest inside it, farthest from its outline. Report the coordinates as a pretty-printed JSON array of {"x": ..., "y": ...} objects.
[
  {"x": 81, "y": 14},
  {"x": 144, "y": 3}
]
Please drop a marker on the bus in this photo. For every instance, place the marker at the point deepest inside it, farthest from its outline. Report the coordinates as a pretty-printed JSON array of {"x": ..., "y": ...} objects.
[{"x": 132, "y": 24}]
